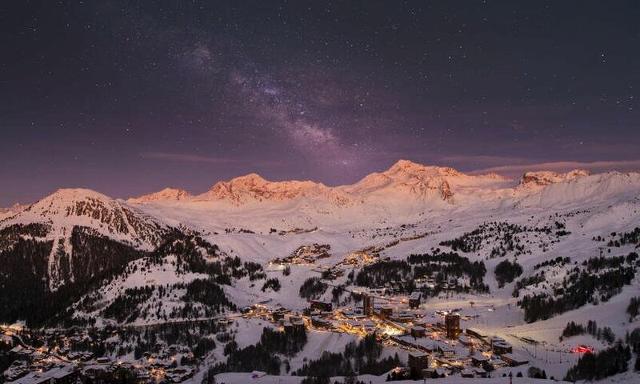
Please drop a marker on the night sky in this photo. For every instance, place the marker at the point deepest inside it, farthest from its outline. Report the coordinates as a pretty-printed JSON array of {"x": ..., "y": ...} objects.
[{"x": 130, "y": 97}]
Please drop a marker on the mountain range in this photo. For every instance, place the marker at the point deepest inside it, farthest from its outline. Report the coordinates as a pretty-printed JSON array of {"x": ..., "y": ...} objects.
[
  {"x": 404, "y": 192},
  {"x": 80, "y": 258},
  {"x": 404, "y": 180},
  {"x": 79, "y": 240}
]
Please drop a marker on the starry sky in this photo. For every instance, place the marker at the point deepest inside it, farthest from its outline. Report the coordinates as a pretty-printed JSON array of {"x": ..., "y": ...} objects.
[{"x": 130, "y": 97}]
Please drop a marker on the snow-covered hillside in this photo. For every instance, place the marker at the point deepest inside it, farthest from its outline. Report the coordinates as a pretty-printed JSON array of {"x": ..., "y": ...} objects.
[
  {"x": 250, "y": 241},
  {"x": 67, "y": 210},
  {"x": 405, "y": 193},
  {"x": 11, "y": 211},
  {"x": 163, "y": 195}
]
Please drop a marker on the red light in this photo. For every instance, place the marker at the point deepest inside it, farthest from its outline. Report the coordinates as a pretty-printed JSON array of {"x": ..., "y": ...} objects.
[{"x": 582, "y": 349}]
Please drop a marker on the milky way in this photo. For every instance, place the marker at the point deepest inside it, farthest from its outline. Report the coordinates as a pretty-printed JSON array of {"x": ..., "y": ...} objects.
[{"x": 129, "y": 98}]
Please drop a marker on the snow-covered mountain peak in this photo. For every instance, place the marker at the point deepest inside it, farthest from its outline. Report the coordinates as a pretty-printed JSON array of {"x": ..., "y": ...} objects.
[
  {"x": 67, "y": 208},
  {"x": 69, "y": 214},
  {"x": 406, "y": 179},
  {"x": 75, "y": 202},
  {"x": 63, "y": 201},
  {"x": 544, "y": 178},
  {"x": 578, "y": 187},
  {"x": 410, "y": 168},
  {"x": 254, "y": 188},
  {"x": 249, "y": 179},
  {"x": 167, "y": 194}
]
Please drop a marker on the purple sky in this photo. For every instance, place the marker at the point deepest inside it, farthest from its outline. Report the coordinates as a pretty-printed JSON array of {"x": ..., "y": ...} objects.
[{"x": 127, "y": 98}]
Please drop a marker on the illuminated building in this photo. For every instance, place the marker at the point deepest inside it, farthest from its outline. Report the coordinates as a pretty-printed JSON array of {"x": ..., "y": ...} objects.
[
  {"x": 367, "y": 304},
  {"x": 452, "y": 324}
]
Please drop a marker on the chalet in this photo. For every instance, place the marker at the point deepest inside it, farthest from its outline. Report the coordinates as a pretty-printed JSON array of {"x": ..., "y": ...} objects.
[
  {"x": 418, "y": 361},
  {"x": 294, "y": 323},
  {"x": 465, "y": 340},
  {"x": 480, "y": 372},
  {"x": 94, "y": 371},
  {"x": 322, "y": 306},
  {"x": 319, "y": 322},
  {"x": 369, "y": 326},
  {"x": 403, "y": 317},
  {"x": 178, "y": 375},
  {"x": 143, "y": 376},
  {"x": 467, "y": 373},
  {"x": 479, "y": 360},
  {"x": 418, "y": 332},
  {"x": 414, "y": 299},
  {"x": 475, "y": 333},
  {"x": 513, "y": 360},
  {"x": 422, "y": 344},
  {"x": 277, "y": 316},
  {"x": 499, "y": 346},
  {"x": 502, "y": 348},
  {"x": 446, "y": 350},
  {"x": 386, "y": 312},
  {"x": 352, "y": 314},
  {"x": 434, "y": 373}
]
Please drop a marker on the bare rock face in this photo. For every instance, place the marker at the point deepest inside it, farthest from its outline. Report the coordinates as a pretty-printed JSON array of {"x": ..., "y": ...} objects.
[
  {"x": 254, "y": 188},
  {"x": 409, "y": 180},
  {"x": 445, "y": 191},
  {"x": 543, "y": 178}
]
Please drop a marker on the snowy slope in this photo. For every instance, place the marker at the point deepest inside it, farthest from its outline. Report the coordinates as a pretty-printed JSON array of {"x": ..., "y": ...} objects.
[
  {"x": 11, "y": 211},
  {"x": 406, "y": 192},
  {"x": 167, "y": 194},
  {"x": 407, "y": 209},
  {"x": 586, "y": 189},
  {"x": 69, "y": 209}
]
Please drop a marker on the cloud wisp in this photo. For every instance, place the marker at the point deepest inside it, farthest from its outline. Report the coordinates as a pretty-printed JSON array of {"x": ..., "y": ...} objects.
[{"x": 563, "y": 166}]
